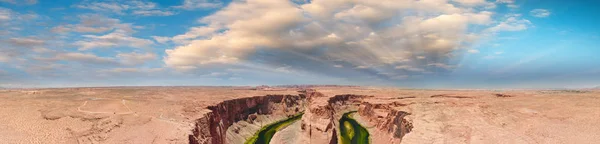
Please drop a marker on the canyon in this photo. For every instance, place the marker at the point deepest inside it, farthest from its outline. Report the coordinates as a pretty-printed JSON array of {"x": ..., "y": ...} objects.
[{"x": 297, "y": 114}]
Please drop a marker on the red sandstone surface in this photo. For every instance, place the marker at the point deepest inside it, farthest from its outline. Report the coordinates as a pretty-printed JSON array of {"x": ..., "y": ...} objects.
[{"x": 219, "y": 114}]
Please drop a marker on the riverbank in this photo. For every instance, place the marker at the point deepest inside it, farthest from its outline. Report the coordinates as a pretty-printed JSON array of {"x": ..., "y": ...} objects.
[
  {"x": 351, "y": 132},
  {"x": 265, "y": 134}
]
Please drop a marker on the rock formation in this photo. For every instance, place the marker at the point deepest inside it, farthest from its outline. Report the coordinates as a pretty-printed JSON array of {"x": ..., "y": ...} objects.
[{"x": 212, "y": 128}]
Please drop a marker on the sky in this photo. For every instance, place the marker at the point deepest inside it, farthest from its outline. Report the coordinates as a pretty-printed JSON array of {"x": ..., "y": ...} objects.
[{"x": 482, "y": 44}]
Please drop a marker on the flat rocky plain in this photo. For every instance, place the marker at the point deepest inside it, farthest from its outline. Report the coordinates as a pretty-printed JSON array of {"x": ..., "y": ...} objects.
[{"x": 160, "y": 115}]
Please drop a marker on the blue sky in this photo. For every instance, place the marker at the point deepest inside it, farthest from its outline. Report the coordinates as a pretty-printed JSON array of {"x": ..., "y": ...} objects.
[{"x": 404, "y": 43}]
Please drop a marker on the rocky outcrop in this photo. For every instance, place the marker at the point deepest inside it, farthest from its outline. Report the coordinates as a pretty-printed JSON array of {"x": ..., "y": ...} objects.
[
  {"x": 319, "y": 123},
  {"x": 212, "y": 128},
  {"x": 393, "y": 123},
  {"x": 343, "y": 99}
]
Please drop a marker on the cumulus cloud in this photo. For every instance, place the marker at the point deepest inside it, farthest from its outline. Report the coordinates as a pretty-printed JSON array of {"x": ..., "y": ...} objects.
[
  {"x": 124, "y": 59},
  {"x": 93, "y": 23},
  {"x": 26, "y": 42},
  {"x": 135, "y": 7},
  {"x": 541, "y": 13},
  {"x": 131, "y": 70},
  {"x": 104, "y": 6},
  {"x": 199, "y": 4},
  {"x": 372, "y": 37},
  {"x": 27, "y": 2},
  {"x": 153, "y": 13},
  {"x": 120, "y": 34},
  {"x": 410, "y": 68},
  {"x": 486, "y": 4},
  {"x": 441, "y": 65},
  {"x": 161, "y": 39},
  {"x": 83, "y": 58},
  {"x": 5, "y": 14},
  {"x": 4, "y": 57},
  {"x": 113, "y": 39},
  {"x": 509, "y": 3},
  {"x": 135, "y": 58},
  {"x": 13, "y": 21},
  {"x": 194, "y": 33},
  {"x": 17, "y": 49},
  {"x": 473, "y": 51},
  {"x": 511, "y": 23}
]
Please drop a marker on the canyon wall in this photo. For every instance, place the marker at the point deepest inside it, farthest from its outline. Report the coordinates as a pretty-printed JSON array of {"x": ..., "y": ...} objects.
[
  {"x": 212, "y": 128},
  {"x": 233, "y": 121},
  {"x": 386, "y": 119}
]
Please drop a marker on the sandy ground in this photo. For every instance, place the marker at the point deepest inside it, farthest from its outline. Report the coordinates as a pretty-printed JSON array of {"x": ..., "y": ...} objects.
[
  {"x": 109, "y": 115},
  {"x": 165, "y": 114},
  {"x": 482, "y": 117}
]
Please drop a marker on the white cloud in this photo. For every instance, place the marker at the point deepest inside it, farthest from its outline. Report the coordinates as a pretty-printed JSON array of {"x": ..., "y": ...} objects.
[
  {"x": 4, "y": 57},
  {"x": 365, "y": 35},
  {"x": 153, "y": 13},
  {"x": 27, "y": 42},
  {"x": 193, "y": 33},
  {"x": 338, "y": 66},
  {"x": 399, "y": 77},
  {"x": 199, "y": 4},
  {"x": 134, "y": 7},
  {"x": 123, "y": 70},
  {"x": 5, "y": 14},
  {"x": 509, "y": 3},
  {"x": 505, "y": 1},
  {"x": 114, "y": 39},
  {"x": 161, "y": 39},
  {"x": 84, "y": 57},
  {"x": 284, "y": 69},
  {"x": 93, "y": 23},
  {"x": 132, "y": 70},
  {"x": 473, "y": 51},
  {"x": 135, "y": 58},
  {"x": 9, "y": 1},
  {"x": 265, "y": 26},
  {"x": 475, "y": 3},
  {"x": 541, "y": 13},
  {"x": 11, "y": 20},
  {"x": 410, "y": 68},
  {"x": 441, "y": 65},
  {"x": 28, "y": 2},
  {"x": 512, "y": 23},
  {"x": 215, "y": 74},
  {"x": 104, "y": 6}
]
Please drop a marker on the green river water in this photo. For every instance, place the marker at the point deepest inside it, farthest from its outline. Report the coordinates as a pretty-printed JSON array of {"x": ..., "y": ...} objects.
[
  {"x": 264, "y": 135},
  {"x": 351, "y": 132}
]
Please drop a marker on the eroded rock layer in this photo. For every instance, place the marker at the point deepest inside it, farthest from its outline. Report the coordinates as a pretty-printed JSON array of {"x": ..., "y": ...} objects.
[
  {"x": 212, "y": 128},
  {"x": 233, "y": 121},
  {"x": 394, "y": 122}
]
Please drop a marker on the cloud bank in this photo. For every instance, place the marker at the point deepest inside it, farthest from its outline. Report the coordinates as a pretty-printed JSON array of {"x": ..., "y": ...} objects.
[{"x": 388, "y": 39}]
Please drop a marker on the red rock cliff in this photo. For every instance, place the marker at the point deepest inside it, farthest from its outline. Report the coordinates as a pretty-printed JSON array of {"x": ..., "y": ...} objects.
[{"x": 211, "y": 129}]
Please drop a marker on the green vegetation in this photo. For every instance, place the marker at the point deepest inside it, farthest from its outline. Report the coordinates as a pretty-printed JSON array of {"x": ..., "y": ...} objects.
[
  {"x": 264, "y": 135},
  {"x": 351, "y": 132}
]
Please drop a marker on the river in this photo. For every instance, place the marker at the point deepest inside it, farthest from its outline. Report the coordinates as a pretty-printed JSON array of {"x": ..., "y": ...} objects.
[
  {"x": 351, "y": 132},
  {"x": 264, "y": 135}
]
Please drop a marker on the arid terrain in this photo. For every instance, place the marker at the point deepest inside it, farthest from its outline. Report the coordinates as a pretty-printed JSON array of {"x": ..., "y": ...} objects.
[{"x": 235, "y": 114}]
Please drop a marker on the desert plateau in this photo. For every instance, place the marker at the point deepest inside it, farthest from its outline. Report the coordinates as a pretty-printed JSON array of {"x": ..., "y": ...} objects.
[{"x": 297, "y": 115}]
